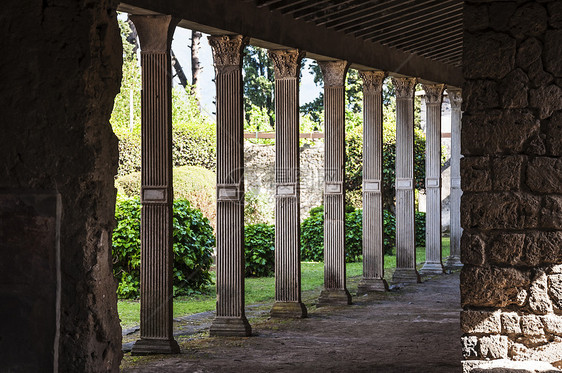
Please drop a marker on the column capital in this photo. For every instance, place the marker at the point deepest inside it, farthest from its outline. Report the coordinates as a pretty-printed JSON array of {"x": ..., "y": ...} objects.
[
  {"x": 433, "y": 93},
  {"x": 334, "y": 72},
  {"x": 455, "y": 97},
  {"x": 286, "y": 62},
  {"x": 372, "y": 81},
  {"x": 155, "y": 32},
  {"x": 228, "y": 50},
  {"x": 404, "y": 86}
]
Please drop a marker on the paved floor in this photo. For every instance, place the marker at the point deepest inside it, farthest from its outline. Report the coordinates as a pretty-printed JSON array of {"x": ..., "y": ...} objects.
[{"x": 415, "y": 329}]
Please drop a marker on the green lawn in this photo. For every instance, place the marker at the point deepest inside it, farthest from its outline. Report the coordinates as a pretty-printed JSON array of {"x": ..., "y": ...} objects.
[{"x": 262, "y": 289}]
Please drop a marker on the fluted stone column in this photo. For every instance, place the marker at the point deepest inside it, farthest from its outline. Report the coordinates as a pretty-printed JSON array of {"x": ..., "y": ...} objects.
[
  {"x": 230, "y": 319},
  {"x": 433, "y": 100},
  {"x": 155, "y": 34},
  {"x": 288, "y": 302},
  {"x": 373, "y": 250},
  {"x": 454, "y": 260},
  {"x": 335, "y": 291},
  {"x": 405, "y": 238}
]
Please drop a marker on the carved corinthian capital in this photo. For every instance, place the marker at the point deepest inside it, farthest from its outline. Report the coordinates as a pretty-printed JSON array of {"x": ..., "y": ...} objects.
[
  {"x": 455, "y": 97},
  {"x": 287, "y": 63},
  {"x": 334, "y": 72},
  {"x": 433, "y": 93},
  {"x": 372, "y": 81},
  {"x": 405, "y": 87},
  {"x": 227, "y": 50}
]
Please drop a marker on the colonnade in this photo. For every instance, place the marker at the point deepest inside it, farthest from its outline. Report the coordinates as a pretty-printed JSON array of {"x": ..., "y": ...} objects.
[{"x": 155, "y": 33}]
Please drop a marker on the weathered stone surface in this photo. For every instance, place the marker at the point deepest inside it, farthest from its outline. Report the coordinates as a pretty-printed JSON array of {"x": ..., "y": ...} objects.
[
  {"x": 475, "y": 174},
  {"x": 493, "y": 287},
  {"x": 555, "y": 290},
  {"x": 544, "y": 175},
  {"x": 511, "y": 323},
  {"x": 539, "y": 302},
  {"x": 528, "y": 52},
  {"x": 555, "y": 13},
  {"x": 528, "y": 20},
  {"x": 546, "y": 99},
  {"x": 491, "y": 55},
  {"x": 493, "y": 346},
  {"x": 480, "y": 322},
  {"x": 513, "y": 90},
  {"x": 531, "y": 325},
  {"x": 500, "y": 210},
  {"x": 500, "y": 14},
  {"x": 475, "y": 17},
  {"x": 495, "y": 133},
  {"x": 480, "y": 95},
  {"x": 507, "y": 249},
  {"x": 507, "y": 173},
  {"x": 536, "y": 144},
  {"x": 551, "y": 213},
  {"x": 469, "y": 345},
  {"x": 554, "y": 134},
  {"x": 552, "y": 53},
  {"x": 543, "y": 248},
  {"x": 552, "y": 324},
  {"x": 472, "y": 249}
]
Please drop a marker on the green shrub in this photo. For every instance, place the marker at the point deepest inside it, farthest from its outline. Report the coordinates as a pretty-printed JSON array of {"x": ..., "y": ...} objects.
[
  {"x": 259, "y": 250},
  {"x": 312, "y": 235},
  {"x": 389, "y": 231},
  {"x": 193, "y": 183},
  {"x": 193, "y": 248},
  {"x": 419, "y": 228}
]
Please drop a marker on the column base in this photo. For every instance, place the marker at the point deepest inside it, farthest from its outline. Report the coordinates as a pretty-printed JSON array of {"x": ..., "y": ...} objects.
[
  {"x": 334, "y": 297},
  {"x": 371, "y": 285},
  {"x": 288, "y": 310},
  {"x": 149, "y": 346},
  {"x": 453, "y": 263},
  {"x": 230, "y": 327},
  {"x": 405, "y": 276},
  {"x": 432, "y": 268}
]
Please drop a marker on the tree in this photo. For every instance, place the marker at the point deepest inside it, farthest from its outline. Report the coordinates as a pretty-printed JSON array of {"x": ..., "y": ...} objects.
[
  {"x": 259, "y": 81},
  {"x": 196, "y": 67}
]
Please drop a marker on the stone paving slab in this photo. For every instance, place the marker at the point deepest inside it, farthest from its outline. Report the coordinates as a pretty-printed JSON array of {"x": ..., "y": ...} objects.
[{"x": 414, "y": 329}]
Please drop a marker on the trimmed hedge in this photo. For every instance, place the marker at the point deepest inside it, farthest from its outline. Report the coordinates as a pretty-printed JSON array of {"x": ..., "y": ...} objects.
[
  {"x": 259, "y": 250},
  {"x": 193, "y": 249}
]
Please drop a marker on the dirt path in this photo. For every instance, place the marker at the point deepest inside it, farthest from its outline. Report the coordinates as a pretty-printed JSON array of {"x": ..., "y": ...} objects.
[{"x": 415, "y": 329}]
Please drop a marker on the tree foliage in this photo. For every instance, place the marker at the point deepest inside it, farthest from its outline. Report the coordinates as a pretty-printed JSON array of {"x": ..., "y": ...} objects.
[{"x": 259, "y": 83}]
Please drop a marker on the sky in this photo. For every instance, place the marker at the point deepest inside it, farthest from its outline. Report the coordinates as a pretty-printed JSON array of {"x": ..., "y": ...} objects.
[{"x": 180, "y": 45}]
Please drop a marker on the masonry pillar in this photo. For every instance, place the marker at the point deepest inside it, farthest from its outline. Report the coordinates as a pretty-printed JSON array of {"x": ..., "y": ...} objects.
[
  {"x": 405, "y": 239},
  {"x": 373, "y": 251},
  {"x": 433, "y": 99},
  {"x": 288, "y": 302},
  {"x": 230, "y": 319},
  {"x": 454, "y": 260},
  {"x": 155, "y": 34},
  {"x": 335, "y": 291}
]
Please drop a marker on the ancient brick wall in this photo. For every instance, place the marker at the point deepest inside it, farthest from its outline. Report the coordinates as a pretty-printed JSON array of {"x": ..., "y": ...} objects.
[
  {"x": 511, "y": 284},
  {"x": 60, "y": 71}
]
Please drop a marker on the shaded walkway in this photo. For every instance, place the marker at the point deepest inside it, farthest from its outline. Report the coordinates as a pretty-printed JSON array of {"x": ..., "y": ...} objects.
[{"x": 415, "y": 329}]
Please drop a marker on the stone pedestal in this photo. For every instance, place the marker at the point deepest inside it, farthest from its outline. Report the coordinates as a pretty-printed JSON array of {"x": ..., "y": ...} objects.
[
  {"x": 405, "y": 237},
  {"x": 433, "y": 100},
  {"x": 155, "y": 34},
  {"x": 335, "y": 291},
  {"x": 230, "y": 318},
  {"x": 454, "y": 260},
  {"x": 373, "y": 250},
  {"x": 288, "y": 302}
]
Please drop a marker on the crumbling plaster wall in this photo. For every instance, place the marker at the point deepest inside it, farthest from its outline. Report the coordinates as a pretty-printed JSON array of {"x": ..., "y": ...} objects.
[
  {"x": 60, "y": 71},
  {"x": 511, "y": 284}
]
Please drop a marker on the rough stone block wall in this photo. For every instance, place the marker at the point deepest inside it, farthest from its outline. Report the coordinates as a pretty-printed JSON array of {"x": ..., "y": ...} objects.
[
  {"x": 60, "y": 71},
  {"x": 511, "y": 284},
  {"x": 259, "y": 174}
]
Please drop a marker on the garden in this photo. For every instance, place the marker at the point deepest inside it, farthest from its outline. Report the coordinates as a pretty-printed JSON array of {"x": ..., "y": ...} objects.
[{"x": 194, "y": 159}]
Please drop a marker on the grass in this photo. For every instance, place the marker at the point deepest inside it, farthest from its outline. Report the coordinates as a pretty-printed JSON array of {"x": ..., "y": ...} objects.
[{"x": 262, "y": 289}]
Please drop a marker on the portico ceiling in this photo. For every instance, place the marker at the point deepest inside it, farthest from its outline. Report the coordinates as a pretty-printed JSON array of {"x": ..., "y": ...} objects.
[{"x": 420, "y": 38}]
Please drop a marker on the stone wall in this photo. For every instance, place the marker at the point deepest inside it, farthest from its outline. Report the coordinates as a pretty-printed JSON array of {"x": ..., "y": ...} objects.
[
  {"x": 259, "y": 174},
  {"x": 60, "y": 71},
  {"x": 511, "y": 284}
]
